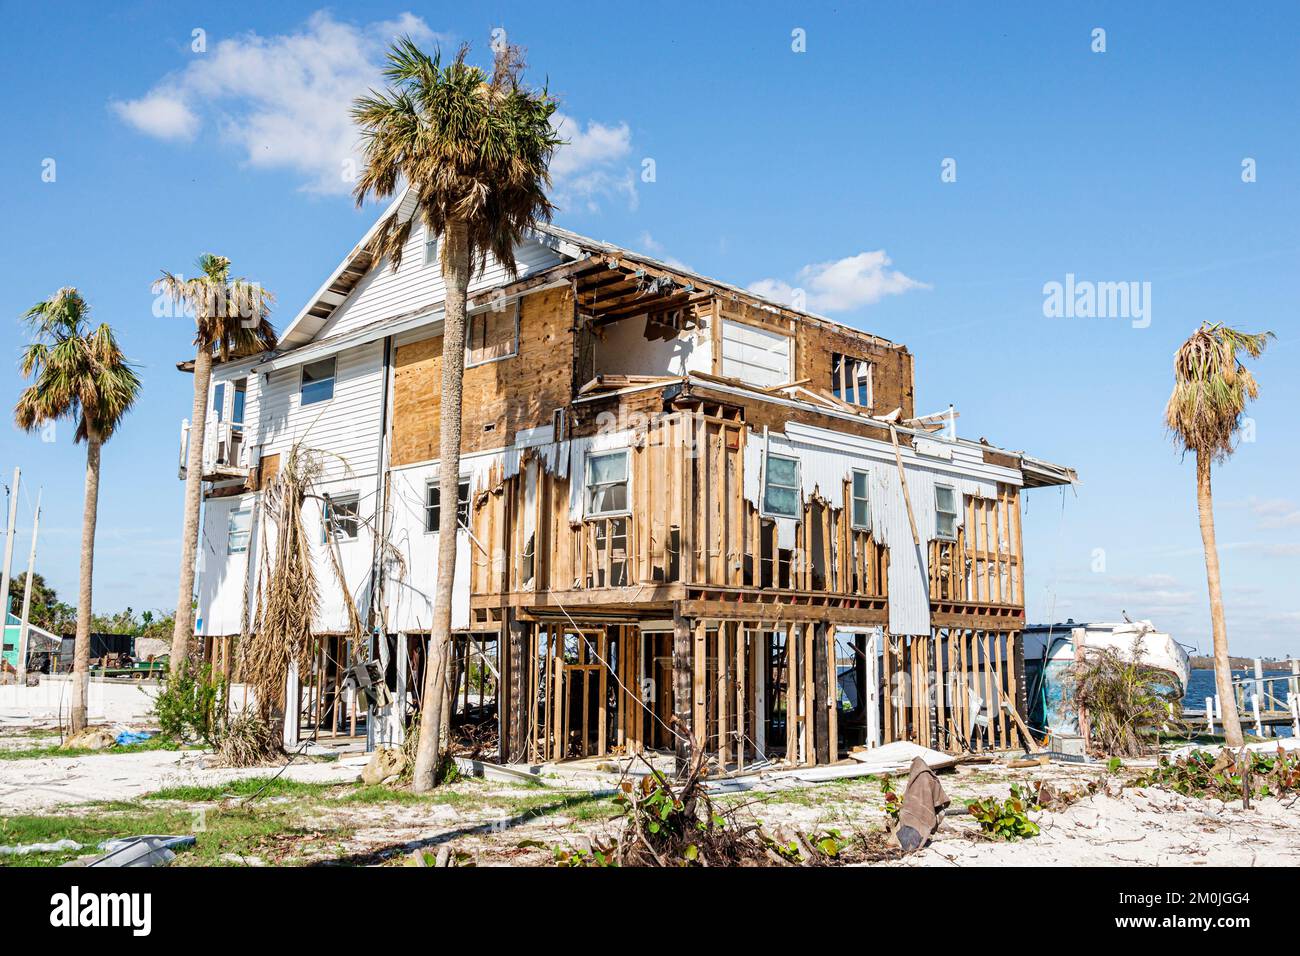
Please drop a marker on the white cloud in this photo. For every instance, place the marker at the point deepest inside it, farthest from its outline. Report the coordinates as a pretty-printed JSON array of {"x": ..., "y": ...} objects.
[
  {"x": 842, "y": 285},
  {"x": 160, "y": 113},
  {"x": 647, "y": 243},
  {"x": 592, "y": 165},
  {"x": 1274, "y": 513},
  {"x": 285, "y": 100}
]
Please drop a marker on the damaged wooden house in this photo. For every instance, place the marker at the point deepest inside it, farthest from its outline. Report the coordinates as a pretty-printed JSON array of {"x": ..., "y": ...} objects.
[{"x": 687, "y": 516}]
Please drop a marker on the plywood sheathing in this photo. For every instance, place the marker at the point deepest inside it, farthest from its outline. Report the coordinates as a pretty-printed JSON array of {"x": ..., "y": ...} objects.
[{"x": 500, "y": 397}]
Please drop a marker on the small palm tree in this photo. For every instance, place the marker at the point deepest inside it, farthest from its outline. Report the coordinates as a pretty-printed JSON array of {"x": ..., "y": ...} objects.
[
  {"x": 476, "y": 150},
  {"x": 77, "y": 372},
  {"x": 230, "y": 317},
  {"x": 1211, "y": 389}
]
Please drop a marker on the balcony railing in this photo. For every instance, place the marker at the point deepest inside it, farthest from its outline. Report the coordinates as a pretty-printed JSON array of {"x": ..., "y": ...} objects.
[{"x": 225, "y": 452}]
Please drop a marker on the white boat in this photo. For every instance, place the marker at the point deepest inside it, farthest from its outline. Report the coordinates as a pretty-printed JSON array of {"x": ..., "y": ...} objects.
[{"x": 1051, "y": 649}]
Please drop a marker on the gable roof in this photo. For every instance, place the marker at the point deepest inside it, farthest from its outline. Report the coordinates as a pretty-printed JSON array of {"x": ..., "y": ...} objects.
[{"x": 571, "y": 245}]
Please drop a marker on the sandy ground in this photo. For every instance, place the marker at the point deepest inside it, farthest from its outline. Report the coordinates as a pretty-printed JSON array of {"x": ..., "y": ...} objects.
[
  {"x": 503, "y": 824},
  {"x": 44, "y": 784}
]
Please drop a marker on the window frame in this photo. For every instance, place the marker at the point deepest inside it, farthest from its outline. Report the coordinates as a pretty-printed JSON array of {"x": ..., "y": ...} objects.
[
  {"x": 938, "y": 511},
  {"x": 838, "y": 362},
  {"x": 231, "y": 533},
  {"x": 853, "y": 500},
  {"x": 328, "y": 526},
  {"x": 588, "y": 510},
  {"x": 469, "y": 336},
  {"x": 333, "y": 380},
  {"x": 432, "y": 485},
  {"x": 219, "y": 401},
  {"x": 430, "y": 249},
  {"x": 767, "y": 481}
]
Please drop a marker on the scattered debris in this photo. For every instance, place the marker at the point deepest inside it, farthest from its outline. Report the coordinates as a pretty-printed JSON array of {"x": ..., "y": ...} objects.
[
  {"x": 91, "y": 738},
  {"x": 898, "y": 756},
  {"x": 54, "y": 847},
  {"x": 386, "y": 766},
  {"x": 920, "y": 811},
  {"x": 141, "y": 851}
]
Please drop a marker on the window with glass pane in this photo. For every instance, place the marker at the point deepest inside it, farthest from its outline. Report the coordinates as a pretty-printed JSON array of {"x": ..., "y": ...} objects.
[
  {"x": 342, "y": 517},
  {"x": 317, "y": 382},
  {"x": 433, "y": 502},
  {"x": 430, "y": 250},
  {"x": 945, "y": 509},
  {"x": 861, "y": 502},
  {"x": 607, "y": 483},
  {"x": 237, "y": 408},
  {"x": 219, "y": 401},
  {"x": 239, "y": 528},
  {"x": 781, "y": 487}
]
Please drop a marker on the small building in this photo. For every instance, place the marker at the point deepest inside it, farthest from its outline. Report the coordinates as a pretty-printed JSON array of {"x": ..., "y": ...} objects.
[{"x": 39, "y": 641}]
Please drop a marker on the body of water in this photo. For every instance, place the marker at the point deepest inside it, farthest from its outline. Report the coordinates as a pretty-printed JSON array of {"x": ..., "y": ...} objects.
[{"x": 1200, "y": 685}]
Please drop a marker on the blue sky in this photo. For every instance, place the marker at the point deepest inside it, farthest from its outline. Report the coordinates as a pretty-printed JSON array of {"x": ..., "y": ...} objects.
[{"x": 817, "y": 170}]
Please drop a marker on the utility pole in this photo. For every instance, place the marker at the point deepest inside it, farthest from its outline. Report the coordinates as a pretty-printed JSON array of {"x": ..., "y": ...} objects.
[
  {"x": 11, "y": 532},
  {"x": 27, "y": 597}
]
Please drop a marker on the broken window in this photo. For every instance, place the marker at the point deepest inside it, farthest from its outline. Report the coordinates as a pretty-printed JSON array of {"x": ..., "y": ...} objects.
[
  {"x": 317, "y": 382},
  {"x": 492, "y": 335},
  {"x": 607, "y": 483},
  {"x": 239, "y": 529},
  {"x": 781, "y": 486},
  {"x": 861, "y": 510},
  {"x": 851, "y": 380},
  {"x": 343, "y": 517},
  {"x": 433, "y": 500},
  {"x": 945, "y": 509}
]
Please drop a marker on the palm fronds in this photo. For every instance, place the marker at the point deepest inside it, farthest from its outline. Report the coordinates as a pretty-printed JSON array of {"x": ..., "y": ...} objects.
[
  {"x": 231, "y": 314},
  {"x": 289, "y": 599},
  {"x": 78, "y": 370},
  {"x": 1212, "y": 387},
  {"x": 1125, "y": 701},
  {"x": 475, "y": 148}
]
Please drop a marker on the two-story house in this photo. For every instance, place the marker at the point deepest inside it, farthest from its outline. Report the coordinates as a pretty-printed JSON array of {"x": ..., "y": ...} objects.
[{"x": 686, "y": 513}]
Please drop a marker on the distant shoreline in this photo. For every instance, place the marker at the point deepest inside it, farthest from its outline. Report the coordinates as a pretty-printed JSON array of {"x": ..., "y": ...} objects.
[{"x": 1200, "y": 663}]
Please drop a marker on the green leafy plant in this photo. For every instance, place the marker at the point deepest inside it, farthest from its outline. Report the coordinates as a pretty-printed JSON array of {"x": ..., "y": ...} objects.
[
  {"x": 1005, "y": 819},
  {"x": 190, "y": 704},
  {"x": 1228, "y": 776},
  {"x": 893, "y": 802}
]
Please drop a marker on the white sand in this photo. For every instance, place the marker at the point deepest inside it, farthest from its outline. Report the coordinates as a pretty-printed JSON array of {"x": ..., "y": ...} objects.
[
  {"x": 1133, "y": 827},
  {"x": 40, "y": 785}
]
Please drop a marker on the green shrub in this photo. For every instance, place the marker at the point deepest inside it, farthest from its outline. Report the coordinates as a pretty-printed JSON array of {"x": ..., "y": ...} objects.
[
  {"x": 1005, "y": 819},
  {"x": 190, "y": 704}
]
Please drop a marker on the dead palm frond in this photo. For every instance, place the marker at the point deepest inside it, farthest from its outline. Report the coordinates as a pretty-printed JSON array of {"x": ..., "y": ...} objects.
[
  {"x": 288, "y": 604},
  {"x": 1211, "y": 388}
]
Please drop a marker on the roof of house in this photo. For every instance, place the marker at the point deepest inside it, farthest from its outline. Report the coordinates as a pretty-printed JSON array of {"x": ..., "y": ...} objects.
[{"x": 335, "y": 290}]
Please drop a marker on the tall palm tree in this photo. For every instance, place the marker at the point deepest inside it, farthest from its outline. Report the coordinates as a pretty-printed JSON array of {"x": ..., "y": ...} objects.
[
  {"x": 475, "y": 149},
  {"x": 230, "y": 317},
  {"x": 1211, "y": 389},
  {"x": 77, "y": 372}
]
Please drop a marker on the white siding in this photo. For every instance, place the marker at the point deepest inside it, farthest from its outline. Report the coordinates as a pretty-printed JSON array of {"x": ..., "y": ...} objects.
[
  {"x": 347, "y": 427},
  {"x": 384, "y": 294},
  {"x": 221, "y": 575},
  {"x": 755, "y": 356},
  {"x": 410, "y": 599}
]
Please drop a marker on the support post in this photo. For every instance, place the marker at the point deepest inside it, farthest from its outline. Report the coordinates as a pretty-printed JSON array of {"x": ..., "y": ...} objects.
[
  {"x": 11, "y": 532},
  {"x": 1209, "y": 715},
  {"x": 682, "y": 681},
  {"x": 24, "y": 625}
]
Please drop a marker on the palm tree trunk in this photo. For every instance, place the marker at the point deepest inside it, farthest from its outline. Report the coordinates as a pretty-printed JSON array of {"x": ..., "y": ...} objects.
[
  {"x": 81, "y": 650},
  {"x": 1222, "y": 665},
  {"x": 184, "y": 627},
  {"x": 435, "y": 715}
]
